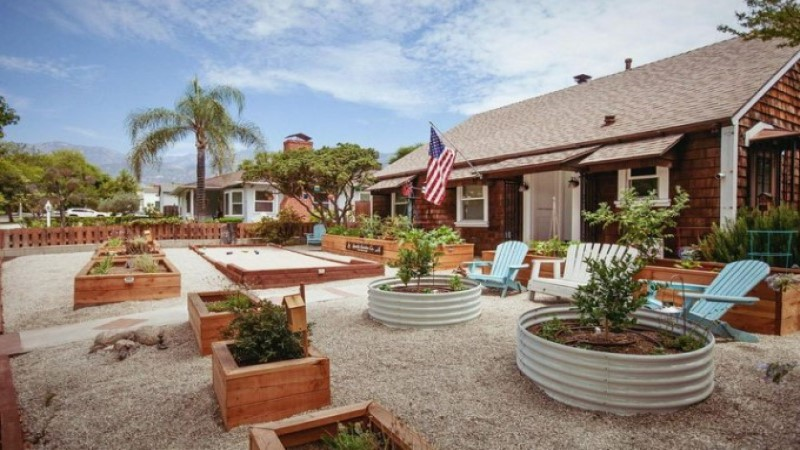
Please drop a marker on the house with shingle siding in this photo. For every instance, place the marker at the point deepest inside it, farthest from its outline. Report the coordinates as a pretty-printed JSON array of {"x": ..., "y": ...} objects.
[{"x": 722, "y": 122}]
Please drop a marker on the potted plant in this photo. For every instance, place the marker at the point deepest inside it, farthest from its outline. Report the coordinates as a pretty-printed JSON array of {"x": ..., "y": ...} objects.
[
  {"x": 416, "y": 297},
  {"x": 262, "y": 373},
  {"x": 118, "y": 279},
  {"x": 211, "y": 312},
  {"x": 606, "y": 354}
]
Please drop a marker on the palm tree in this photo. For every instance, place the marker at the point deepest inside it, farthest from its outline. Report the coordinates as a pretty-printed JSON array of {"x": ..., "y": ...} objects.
[{"x": 199, "y": 112}]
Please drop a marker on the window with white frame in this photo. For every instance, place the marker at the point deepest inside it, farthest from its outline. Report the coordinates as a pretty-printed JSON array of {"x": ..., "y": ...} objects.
[
  {"x": 233, "y": 203},
  {"x": 399, "y": 204},
  {"x": 472, "y": 206},
  {"x": 265, "y": 202},
  {"x": 644, "y": 180}
]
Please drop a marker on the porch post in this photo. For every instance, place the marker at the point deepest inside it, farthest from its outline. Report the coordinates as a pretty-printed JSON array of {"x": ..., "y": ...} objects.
[{"x": 728, "y": 175}]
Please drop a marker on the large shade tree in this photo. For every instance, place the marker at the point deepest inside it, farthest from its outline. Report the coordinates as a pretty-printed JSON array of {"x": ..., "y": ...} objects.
[
  {"x": 329, "y": 177},
  {"x": 200, "y": 113},
  {"x": 767, "y": 20}
]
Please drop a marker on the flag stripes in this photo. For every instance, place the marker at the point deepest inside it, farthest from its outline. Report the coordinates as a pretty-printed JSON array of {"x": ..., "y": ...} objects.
[{"x": 439, "y": 166}]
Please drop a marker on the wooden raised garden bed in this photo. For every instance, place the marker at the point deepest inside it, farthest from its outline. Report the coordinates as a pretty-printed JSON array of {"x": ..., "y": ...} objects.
[
  {"x": 272, "y": 391},
  {"x": 122, "y": 285},
  {"x": 104, "y": 251},
  {"x": 310, "y": 428},
  {"x": 524, "y": 275},
  {"x": 207, "y": 326},
  {"x": 384, "y": 251},
  {"x": 776, "y": 313}
]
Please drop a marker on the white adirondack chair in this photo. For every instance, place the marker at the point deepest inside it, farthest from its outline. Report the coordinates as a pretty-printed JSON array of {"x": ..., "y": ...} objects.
[{"x": 565, "y": 283}]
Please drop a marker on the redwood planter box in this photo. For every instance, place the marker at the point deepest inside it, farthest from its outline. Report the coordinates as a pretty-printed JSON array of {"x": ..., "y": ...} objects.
[
  {"x": 272, "y": 391},
  {"x": 524, "y": 275},
  {"x": 207, "y": 326},
  {"x": 384, "y": 251},
  {"x": 310, "y": 428},
  {"x": 94, "y": 290},
  {"x": 776, "y": 313},
  {"x": 104, "y": 251}
]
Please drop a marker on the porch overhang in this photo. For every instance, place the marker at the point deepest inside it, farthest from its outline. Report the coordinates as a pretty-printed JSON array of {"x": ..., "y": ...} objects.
[
  {"x": 652, "y": 150},
  {"x": 542, "y": 162},
  {"x": 770, "y": 135},
  {"x": 390, "y": 183}
]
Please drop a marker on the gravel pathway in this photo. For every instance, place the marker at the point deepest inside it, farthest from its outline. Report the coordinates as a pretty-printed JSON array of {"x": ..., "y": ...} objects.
[
  {"x": 37, "y": 289},
  {"x": 458, "y": 386}
]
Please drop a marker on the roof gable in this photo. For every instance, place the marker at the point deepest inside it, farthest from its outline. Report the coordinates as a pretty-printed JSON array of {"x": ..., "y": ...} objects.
[{"x": 704, "y": 85}]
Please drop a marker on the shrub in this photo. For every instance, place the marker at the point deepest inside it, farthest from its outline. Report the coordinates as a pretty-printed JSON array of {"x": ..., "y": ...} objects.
[
  {"x": 145, "y": 263},
  {"x": 611, "y": 294},
  {"x": 121, "y": 203},
  {"x": 551, "y": 247},
  {"x": 445, "y": 235},
  {"x": 115, "y": 242},
  {"x": 280, "y": 230},
  {"x": 352, "y": 437},
  {"x": 261, "y": 336},
  {"x": 136, "y": 245},
  {"x": 642, "y": 225},
  {"x": 730, "y": 243},
  {"x": 395, "y": 226},
  {"x": 370, "y": 226},
  {"x": 230, "y": 220}
]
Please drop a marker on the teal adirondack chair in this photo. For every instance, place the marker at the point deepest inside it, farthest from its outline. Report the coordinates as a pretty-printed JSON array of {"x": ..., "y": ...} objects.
[
  {"x": 315, "y": 238},
  {"x": 508, "y": 260},
  {"x": 729, "y": 288}
]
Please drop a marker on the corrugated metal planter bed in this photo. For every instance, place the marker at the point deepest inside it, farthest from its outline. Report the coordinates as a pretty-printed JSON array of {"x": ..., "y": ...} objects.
[
  {"x": 616, "y": 383},
  {"x": 421, "y": 310}
]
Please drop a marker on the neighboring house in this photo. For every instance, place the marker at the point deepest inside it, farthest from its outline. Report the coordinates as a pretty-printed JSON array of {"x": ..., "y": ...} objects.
[
  {"x": 168, "y": 197},
  {"x": 229, "y": 195},
  {"x": 149, "y": 197},
  {"x": 722, "y": 121}
]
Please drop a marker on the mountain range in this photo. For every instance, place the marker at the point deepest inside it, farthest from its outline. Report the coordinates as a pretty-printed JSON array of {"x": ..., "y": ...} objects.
[{"x": 175, "y": 167}]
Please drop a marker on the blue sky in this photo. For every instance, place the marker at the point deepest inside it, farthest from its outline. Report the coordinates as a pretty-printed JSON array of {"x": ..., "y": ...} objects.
[{"x": 369, "y": 72}]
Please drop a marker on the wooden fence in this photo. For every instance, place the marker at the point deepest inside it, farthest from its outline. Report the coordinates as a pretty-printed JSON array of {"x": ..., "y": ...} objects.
[{"x": 43, "y": 237}]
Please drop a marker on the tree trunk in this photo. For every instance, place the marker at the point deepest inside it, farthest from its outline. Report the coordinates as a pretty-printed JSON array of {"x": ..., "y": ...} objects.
[
  {"x": 10, "y": 211},
  {"x": 200, "y": 212}
]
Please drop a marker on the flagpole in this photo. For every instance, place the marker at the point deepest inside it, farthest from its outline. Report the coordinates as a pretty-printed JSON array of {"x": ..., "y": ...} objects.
[{"x": 474, "y": 170}]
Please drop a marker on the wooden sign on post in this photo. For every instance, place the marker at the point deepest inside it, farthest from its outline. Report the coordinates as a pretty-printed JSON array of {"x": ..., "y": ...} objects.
[{"x": 295, "y": 306}]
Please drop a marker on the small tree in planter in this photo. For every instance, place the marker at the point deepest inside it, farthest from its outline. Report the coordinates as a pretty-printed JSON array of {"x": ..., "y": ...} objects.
[
  {"x": 642, "y": 224},
  {"x": 419, "y": 260},
  {"x": 262, "y": 336}
]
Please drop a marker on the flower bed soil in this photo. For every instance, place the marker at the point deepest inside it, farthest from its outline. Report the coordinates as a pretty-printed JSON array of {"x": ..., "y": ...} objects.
[{"x": 634, "y": 341}]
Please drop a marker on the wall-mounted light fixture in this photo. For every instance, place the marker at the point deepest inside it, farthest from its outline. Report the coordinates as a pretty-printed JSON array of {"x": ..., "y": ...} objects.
[
  {"x": 524, "y": 187},
  {"x": 574, "y": 182}
]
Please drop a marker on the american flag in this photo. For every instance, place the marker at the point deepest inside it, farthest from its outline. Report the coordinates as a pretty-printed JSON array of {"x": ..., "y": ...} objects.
[{"x": 439, "y": 166}]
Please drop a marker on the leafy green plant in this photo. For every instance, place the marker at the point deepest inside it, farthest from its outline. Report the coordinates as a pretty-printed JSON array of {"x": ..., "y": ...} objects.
[
  {"x": 419, "y": 260},
  {"x": 684, "y": 342},
  {"x": 642, "y": 224},
  {"x": 352, "y": 437},
  {"x": 145, "y": 263},
  {"x": 394, "y": 227},
  {"x": 688, "y": 264},
  {"x": 370, "y": 226},
  {"x": 103, "y": 266},
  {"x": 551, "y": 330},
  {"x": 456, "y": 284},
  {"x": 551, "y": 247},
  {"x": 611, "y": 294},
  {"x": 776, "y": 371},
  {"x": 236, "y": 301},
  {"x": 281, "y": 229},
  {"x": 445, "y": 235},
  {"x": 730, "y": 243},
  {"x": 261, "y": 336},
  {"x": 385, "y": 287},
  {"x": 230, "y": 220}
]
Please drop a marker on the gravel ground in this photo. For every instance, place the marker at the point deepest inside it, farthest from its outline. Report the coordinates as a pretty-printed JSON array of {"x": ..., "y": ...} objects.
[
  {"x": 458, "y": 386},
  {"x": 53, "y": 277}
]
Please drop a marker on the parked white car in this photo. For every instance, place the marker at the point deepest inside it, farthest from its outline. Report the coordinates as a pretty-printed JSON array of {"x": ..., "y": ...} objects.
[{"x": 85, "y": 212}]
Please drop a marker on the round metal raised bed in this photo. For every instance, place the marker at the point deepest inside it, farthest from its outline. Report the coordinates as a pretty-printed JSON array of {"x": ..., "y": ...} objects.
[
  {"x": 615, "y": 383},
  {"x": 417, "y": 310}
]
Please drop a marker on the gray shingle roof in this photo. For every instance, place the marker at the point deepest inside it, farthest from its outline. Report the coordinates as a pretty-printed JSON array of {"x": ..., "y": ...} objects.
[
  {"x": 632, "y": 150},
  {"x": 707, "y": 84}
]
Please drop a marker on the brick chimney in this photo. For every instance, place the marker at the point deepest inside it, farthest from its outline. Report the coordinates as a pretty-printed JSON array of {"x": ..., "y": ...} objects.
[
  {"x": 582, "y": 78},
  {"x": 628, "y": 63},
  {"x": 297, "y": 141}
]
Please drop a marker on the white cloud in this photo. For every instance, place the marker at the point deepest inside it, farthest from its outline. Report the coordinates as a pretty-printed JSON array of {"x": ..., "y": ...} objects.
[
  {"x": 420, "y": 56},
  {"x": 82, "y": 132},
  {"x": 58, "y": 69}
]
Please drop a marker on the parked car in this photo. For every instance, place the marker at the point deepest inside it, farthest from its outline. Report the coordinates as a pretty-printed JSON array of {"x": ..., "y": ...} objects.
[{"x": 85, "y": 212}]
